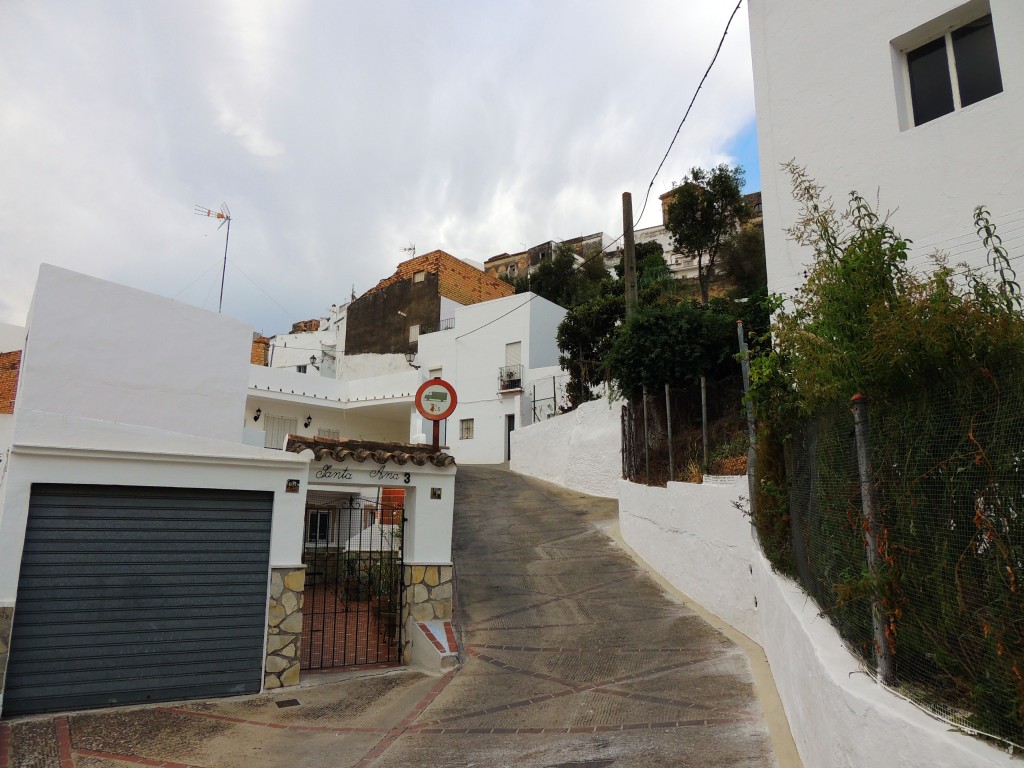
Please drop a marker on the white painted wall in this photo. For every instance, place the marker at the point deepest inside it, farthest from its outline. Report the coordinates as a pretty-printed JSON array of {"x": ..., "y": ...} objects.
[
  {"x": 833, "y": 102},
  {"x": 97, "y": 350},
  {"x": 12, "y": 337},
  {"x": 579, "y": 450},
  {"x": 470, "y": 356},
  {"x": 105, "y": 399},
  {"x": 697, "y": 539}
]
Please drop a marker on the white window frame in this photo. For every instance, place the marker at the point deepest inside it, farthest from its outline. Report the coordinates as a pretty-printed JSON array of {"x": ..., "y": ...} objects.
[{"x": 943, "y": 28}]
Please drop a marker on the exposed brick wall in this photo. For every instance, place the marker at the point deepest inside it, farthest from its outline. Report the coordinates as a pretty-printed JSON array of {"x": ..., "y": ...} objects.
[
  {"x": 306, "y": 326},
  {"x": 260, "y": 350},
  {"x": 10, "y": 365},
  {"x": 457, "y": 280}
]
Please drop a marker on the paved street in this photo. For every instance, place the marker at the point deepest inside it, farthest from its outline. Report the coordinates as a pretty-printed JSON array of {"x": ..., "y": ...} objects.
[{"x": 573, "y": 657}]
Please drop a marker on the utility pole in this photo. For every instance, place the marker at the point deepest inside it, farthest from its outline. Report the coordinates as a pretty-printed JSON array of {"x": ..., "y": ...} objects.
[{"x": 629, "y": 254}]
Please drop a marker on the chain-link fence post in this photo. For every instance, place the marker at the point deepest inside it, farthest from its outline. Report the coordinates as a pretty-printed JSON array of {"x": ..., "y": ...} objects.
[
  {"x": 751, "y": 452},
  {"x": 647, "y": 450},
  {"x": 883, "y": 655},
  {"x": 668, "y": 425}
]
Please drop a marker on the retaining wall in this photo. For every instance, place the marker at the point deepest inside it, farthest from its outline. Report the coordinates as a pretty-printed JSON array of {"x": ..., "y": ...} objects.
[
  {"x": 579, "y": 450},
  {"x": 697, "y": 539}
]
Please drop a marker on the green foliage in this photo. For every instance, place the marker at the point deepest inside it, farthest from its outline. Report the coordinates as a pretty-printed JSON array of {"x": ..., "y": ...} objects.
[
  {"x": 521, "y": 283},
  {"x": 938, "y": 357},
  {"x": 561, "y": 281},
  {"x": 705, "y": 210},
  {"x": 742, "y": 262},
  {"x": 585, "y": 338},
  {"x": 671, "y": 343}
]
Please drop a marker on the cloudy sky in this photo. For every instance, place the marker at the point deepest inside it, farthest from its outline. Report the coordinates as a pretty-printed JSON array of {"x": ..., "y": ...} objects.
[{"x": 339, "y": 133}]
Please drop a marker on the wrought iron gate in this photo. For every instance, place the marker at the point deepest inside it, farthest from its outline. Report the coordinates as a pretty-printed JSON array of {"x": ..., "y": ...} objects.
[{"x": 353, "y": 595}]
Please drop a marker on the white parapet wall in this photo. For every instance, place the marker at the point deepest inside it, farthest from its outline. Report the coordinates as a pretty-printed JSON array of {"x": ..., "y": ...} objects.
[
  {"x": 579, "y": 450},
  {"x": 694, "y": 535}
]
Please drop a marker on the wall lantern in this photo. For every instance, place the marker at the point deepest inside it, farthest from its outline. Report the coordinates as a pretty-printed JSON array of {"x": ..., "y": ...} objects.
[
  {"x": 309, "y": 420},
  {"x": 257, "y": 416},
  {"x": 410, "y": 355}
]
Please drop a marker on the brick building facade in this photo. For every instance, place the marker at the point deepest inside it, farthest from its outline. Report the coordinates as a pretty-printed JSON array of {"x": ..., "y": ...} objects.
[{"x": 10, "y": 365}]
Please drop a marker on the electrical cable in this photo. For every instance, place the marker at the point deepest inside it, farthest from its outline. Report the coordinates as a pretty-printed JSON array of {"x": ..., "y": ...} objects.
[{"x": 636, "y": 219}]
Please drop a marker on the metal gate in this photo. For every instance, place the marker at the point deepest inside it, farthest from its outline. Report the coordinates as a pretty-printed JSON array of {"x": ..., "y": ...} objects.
[{"x": 353, "y": 595}]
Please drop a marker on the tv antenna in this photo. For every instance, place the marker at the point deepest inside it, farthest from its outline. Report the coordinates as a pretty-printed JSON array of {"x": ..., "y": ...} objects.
[
  {"x": 411, "y": 250},
  {"x": 224, "y": 214}
]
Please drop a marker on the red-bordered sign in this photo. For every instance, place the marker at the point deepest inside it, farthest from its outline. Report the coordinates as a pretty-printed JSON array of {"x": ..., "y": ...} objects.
[{"x": 436, "y": 399}]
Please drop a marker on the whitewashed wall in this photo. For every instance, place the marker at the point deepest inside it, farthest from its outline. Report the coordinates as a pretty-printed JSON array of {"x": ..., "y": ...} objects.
[
  {"x": 834, "y": 101},
  {"x": 579, "y": 450},
  {"x": 470, "y": 356},
  {"x": 97, "y": 350},
  {"x": 105, "y": 399},
  {"x": 697, "y": 539}
]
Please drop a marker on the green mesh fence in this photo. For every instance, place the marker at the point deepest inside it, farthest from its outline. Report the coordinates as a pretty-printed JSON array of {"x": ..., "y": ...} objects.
[{"x": 948, "y": 480}]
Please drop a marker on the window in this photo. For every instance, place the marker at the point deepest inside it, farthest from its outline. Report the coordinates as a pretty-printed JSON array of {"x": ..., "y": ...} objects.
[
  {"x": 419, "y": 277},
  {"x": 953, "y": 71},
  {"x": 319, "y": 526},
  {"x": 300, "y": 369},
  {"x": 465, "y": 429},
  {"x": 414, "y": 333},
  {"x": 435, "y": 373},
  {"x": 331, "y": 433}
]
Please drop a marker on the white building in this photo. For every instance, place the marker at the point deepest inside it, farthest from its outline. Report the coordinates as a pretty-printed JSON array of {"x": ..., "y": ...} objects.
[
  {"x": 147, "y": 552},
  {"x": 494, "y": 356},
  {"x": 313, "y": 347},
  {"x": 842, "y": 104},
  {"x": 12, "y": 340},
  {"x": 499, "y": 355}
]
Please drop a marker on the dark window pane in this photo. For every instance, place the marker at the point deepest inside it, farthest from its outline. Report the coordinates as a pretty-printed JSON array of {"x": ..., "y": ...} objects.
[
  {"x": 977, "y": 65},
  {"x": 930, "y": 91}
]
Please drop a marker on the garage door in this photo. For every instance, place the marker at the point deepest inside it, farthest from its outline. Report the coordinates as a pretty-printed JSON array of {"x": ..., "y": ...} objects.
[{"x": 130, "y": 595}]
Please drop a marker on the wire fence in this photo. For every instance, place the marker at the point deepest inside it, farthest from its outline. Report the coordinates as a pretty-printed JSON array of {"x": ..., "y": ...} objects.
[
  {"x": 908, "y": 532},
  {"x": 549, "y": 396},
  {"x": 681, "y": 434}
]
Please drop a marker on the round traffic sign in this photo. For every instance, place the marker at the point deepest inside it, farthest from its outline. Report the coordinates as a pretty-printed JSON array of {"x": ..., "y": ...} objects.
[{"x": 435, "y": 399}]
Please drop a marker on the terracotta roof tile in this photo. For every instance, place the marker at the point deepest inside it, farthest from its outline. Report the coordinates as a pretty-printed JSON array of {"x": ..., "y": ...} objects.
[{"x": 363, "y": 450}]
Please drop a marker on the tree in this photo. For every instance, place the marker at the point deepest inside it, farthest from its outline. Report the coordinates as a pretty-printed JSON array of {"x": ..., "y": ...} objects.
[
  {"x": 671, "y": 343},
  {"x": 705, "y": 210},
  {"x": 560, "y": 279},
  {"x": 742, "y": 261},
  {"x": 585, "y": 337}
]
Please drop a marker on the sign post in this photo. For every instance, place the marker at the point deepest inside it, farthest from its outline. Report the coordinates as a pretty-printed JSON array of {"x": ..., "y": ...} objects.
[{"x": 436, "y": 401}]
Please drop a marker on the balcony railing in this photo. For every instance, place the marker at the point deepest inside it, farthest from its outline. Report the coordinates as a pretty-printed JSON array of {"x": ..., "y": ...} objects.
[
  {"x": 445, "y": 325},
  {"x": 510, "y": 378}
]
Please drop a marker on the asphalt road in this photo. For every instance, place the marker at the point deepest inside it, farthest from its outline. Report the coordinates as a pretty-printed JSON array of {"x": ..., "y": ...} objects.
[{"x": 573, "y": 656}]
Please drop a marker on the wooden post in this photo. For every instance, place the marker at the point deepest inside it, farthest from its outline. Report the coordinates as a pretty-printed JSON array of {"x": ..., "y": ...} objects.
[
  {"x": 883, "y": 655},
  {"x": 629, "y": 254}
]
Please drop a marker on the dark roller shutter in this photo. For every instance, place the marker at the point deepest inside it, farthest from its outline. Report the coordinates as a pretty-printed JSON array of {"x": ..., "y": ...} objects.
[{"x": 131, "y": 594}]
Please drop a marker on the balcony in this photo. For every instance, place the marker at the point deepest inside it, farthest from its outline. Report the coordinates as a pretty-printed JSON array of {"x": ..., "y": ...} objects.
[
  {"x": 510, "y": 378},
  {"x": 444, "y": 325}
]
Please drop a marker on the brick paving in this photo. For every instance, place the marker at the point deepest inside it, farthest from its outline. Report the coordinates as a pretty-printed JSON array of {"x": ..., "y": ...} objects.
[{"x": 339, "y": 633}]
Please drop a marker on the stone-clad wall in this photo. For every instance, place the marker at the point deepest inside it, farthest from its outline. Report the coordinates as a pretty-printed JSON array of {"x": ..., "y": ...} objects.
[
  {"x": 284, "y": 627},
  {"x": 428, "y": 596}
]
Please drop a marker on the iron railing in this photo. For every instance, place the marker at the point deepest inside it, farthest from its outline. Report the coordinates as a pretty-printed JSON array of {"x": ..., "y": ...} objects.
[{"x": 510, "y": 377}]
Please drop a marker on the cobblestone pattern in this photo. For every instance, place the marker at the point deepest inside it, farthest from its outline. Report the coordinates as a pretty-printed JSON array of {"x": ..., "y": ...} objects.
[
  {"x": 284, "y": 627},
  {"x": 428, "y": 596},
  {"x": 6, "y": 624}
]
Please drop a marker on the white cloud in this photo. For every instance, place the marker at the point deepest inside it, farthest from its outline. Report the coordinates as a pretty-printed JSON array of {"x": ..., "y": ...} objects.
[{"x": 339, "y": 133}]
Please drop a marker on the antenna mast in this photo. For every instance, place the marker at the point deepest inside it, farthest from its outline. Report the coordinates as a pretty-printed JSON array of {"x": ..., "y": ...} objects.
[
  {"x": 224, "y": 214},
  {"x": 411, "y": 250}
]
